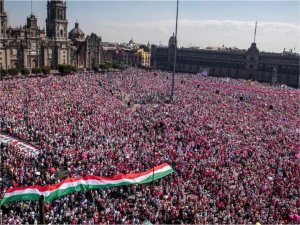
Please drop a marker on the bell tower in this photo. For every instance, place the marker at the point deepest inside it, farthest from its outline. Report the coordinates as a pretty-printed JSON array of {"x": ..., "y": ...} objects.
[
  {"x": 1, "y": 6},
  {"x": 3, "y": 20},
  {"x": 56, "y": 22}
]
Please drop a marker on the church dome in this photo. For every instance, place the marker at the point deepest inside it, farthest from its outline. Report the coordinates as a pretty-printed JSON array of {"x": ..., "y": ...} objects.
[{"x": 76, "y": 33}]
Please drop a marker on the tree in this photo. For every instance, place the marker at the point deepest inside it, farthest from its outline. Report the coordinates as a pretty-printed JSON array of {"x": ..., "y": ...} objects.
[
  {"x": 36, "y": 70},
  {"x": 3, "y": 72},
  {"x": 117, "y": 65},
  {"x": 103, "y": 66},
  {"x": 66, "y": 69},
  {"x": 25, "y": 72},
  {"x": 46, "y": 70},
  {"x": 109, "y": 64},
  {"x": 106, "y": 65},
  {"x": 95, "y": 68},
  {"x": 13, "y": 71}
]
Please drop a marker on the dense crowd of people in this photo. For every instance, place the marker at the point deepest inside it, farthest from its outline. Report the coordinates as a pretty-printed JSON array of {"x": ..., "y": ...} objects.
[{"x": 232, "y": 144}]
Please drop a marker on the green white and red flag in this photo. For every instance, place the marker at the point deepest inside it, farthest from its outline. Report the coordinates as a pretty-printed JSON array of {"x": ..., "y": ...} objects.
[{"x": 71, "y": 185}]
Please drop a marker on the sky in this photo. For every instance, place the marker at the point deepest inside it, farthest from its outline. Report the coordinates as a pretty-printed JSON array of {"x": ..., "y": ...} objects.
[{"x": 200, "y": 23}]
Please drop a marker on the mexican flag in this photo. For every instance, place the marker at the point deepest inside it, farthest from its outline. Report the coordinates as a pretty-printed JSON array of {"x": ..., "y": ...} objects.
[{"x": 70, "y": 185}]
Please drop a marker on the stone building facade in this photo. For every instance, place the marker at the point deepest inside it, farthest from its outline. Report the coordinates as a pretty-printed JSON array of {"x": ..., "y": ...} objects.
[
  {"x": 121, "y": 55},
  {"x": 129, "y": 54},
  {"x": 87, "y": 51},
  {"x": 128, "y": 57},
  {"x": 30, "y": 47},
  {"x": 235, "y": 63}
]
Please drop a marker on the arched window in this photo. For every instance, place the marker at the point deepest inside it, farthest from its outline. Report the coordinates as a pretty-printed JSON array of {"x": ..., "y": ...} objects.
[{"x": 61, "y": 33}]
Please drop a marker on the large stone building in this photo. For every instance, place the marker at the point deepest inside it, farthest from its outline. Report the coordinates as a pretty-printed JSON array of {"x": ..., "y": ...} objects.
[
  {"x": 87, "y": 51},
  {"x": 130, "y": 54},
  {"x": 30, "y": 47},
  {"x": 227, "y": 62},
  {"x": 128, "y": 57}
]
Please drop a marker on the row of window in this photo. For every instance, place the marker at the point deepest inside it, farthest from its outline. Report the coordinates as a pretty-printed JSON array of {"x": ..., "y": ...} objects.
[
  {"x": 213, "y": 63},
  {"x": 263, "y": 68},
  {"x": 187, "y": 60},
  {"x": 280, "y": 69},
  {"x": 209, "y": 55},
  {"x": 197, "y": 55}
]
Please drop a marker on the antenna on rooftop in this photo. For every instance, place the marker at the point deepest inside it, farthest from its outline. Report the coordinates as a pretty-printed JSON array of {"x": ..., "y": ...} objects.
[{"x": 31, "y": 6}]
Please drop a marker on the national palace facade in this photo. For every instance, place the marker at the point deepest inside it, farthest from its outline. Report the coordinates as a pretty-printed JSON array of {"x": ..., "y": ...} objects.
[
  {"x": 29, "y": 46},
  {"x": 235, "y": 63}
]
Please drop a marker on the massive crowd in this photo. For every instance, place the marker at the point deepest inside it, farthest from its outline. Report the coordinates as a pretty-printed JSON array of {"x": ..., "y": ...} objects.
[{"x": 232, "y": 144}]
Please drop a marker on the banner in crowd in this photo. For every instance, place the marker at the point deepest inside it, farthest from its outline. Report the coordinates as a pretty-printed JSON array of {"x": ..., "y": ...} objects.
[
  {"x": 71, "y": 185},
  {"x": 27, "y": 149}
]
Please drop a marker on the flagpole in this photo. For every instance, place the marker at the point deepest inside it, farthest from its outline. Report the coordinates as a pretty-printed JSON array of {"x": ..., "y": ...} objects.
[
  {"x": 175, "y": 55},
  {"x": 1, "y": 217},
  {"x": 153, "y": 161},
  {"x": 255, "y": 31},
  {"x": 1, "y": 149}
]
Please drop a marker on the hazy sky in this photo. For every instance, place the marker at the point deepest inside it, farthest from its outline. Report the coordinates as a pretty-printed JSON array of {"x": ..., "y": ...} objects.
[{"x": 201, "y": 23}]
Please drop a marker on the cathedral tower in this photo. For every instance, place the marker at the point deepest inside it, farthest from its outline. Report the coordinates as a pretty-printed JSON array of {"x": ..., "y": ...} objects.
[
  {"x": 3, "y": 20},
  {"x": 56, "y": 22}
]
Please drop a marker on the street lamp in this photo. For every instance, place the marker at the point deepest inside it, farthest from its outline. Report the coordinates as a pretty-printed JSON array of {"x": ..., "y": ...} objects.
[
  {"x": 1, "y": 149},
  {"x": 1, "y": 217}
]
